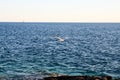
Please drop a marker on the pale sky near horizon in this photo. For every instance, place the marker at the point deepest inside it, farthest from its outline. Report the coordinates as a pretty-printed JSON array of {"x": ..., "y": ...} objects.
[{"x": 60, "y": 10}]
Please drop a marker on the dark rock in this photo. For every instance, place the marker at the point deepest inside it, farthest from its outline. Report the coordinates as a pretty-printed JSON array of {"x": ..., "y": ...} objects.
[
  {"x": 78, "y": 78},
  {"x": 57, "y": 77}
]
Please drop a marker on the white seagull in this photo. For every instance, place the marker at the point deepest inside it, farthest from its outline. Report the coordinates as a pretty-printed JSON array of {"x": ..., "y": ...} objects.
[{"x": 60, "y": 39}]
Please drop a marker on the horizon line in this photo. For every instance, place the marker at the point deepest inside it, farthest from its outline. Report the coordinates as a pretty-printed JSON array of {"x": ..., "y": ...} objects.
[{"x": 52, "y": 22}]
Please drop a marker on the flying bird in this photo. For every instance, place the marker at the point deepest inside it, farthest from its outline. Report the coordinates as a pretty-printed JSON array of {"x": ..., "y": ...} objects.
[{"x": 60, "y": 39}]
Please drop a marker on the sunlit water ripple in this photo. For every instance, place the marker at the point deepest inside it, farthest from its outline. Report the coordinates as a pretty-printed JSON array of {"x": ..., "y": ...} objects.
[{"x": 88, "y": 49}]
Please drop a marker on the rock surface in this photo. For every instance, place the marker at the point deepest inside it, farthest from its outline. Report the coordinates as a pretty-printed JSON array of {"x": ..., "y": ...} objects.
[
  {"x": 79, "y": 78},
  {"x": 55, "y": 77}
]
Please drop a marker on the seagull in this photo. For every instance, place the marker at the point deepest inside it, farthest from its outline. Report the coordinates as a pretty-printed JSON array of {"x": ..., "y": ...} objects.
[{"x": 60, "y": 39}]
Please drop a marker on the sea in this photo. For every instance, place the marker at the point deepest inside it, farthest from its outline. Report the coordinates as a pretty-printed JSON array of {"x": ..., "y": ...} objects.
[{"x": 28, "y": 48}]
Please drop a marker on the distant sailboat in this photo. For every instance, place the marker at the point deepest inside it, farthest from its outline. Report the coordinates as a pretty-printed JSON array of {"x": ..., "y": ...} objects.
[{"x": 60, "y": 39}]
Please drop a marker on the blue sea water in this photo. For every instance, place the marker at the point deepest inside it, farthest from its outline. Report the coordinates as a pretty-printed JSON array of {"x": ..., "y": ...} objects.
[{"x": 88, "y": 48}]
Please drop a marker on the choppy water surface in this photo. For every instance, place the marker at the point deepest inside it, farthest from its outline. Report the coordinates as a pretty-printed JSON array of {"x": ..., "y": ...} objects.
[{"x": 88, "y": 49}]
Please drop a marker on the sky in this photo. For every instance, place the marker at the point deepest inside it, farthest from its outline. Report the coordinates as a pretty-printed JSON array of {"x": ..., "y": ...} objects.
[{"x": 60, "y": 10}]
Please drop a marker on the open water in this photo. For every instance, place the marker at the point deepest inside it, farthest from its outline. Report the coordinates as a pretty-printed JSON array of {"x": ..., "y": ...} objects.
[{"x": 87, "y": 49}]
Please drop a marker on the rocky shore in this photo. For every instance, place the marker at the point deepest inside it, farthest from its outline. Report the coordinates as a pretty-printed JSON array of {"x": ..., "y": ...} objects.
[
  {"x": 56, "y": 77},
  {"x": 79, "y": 78}
]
